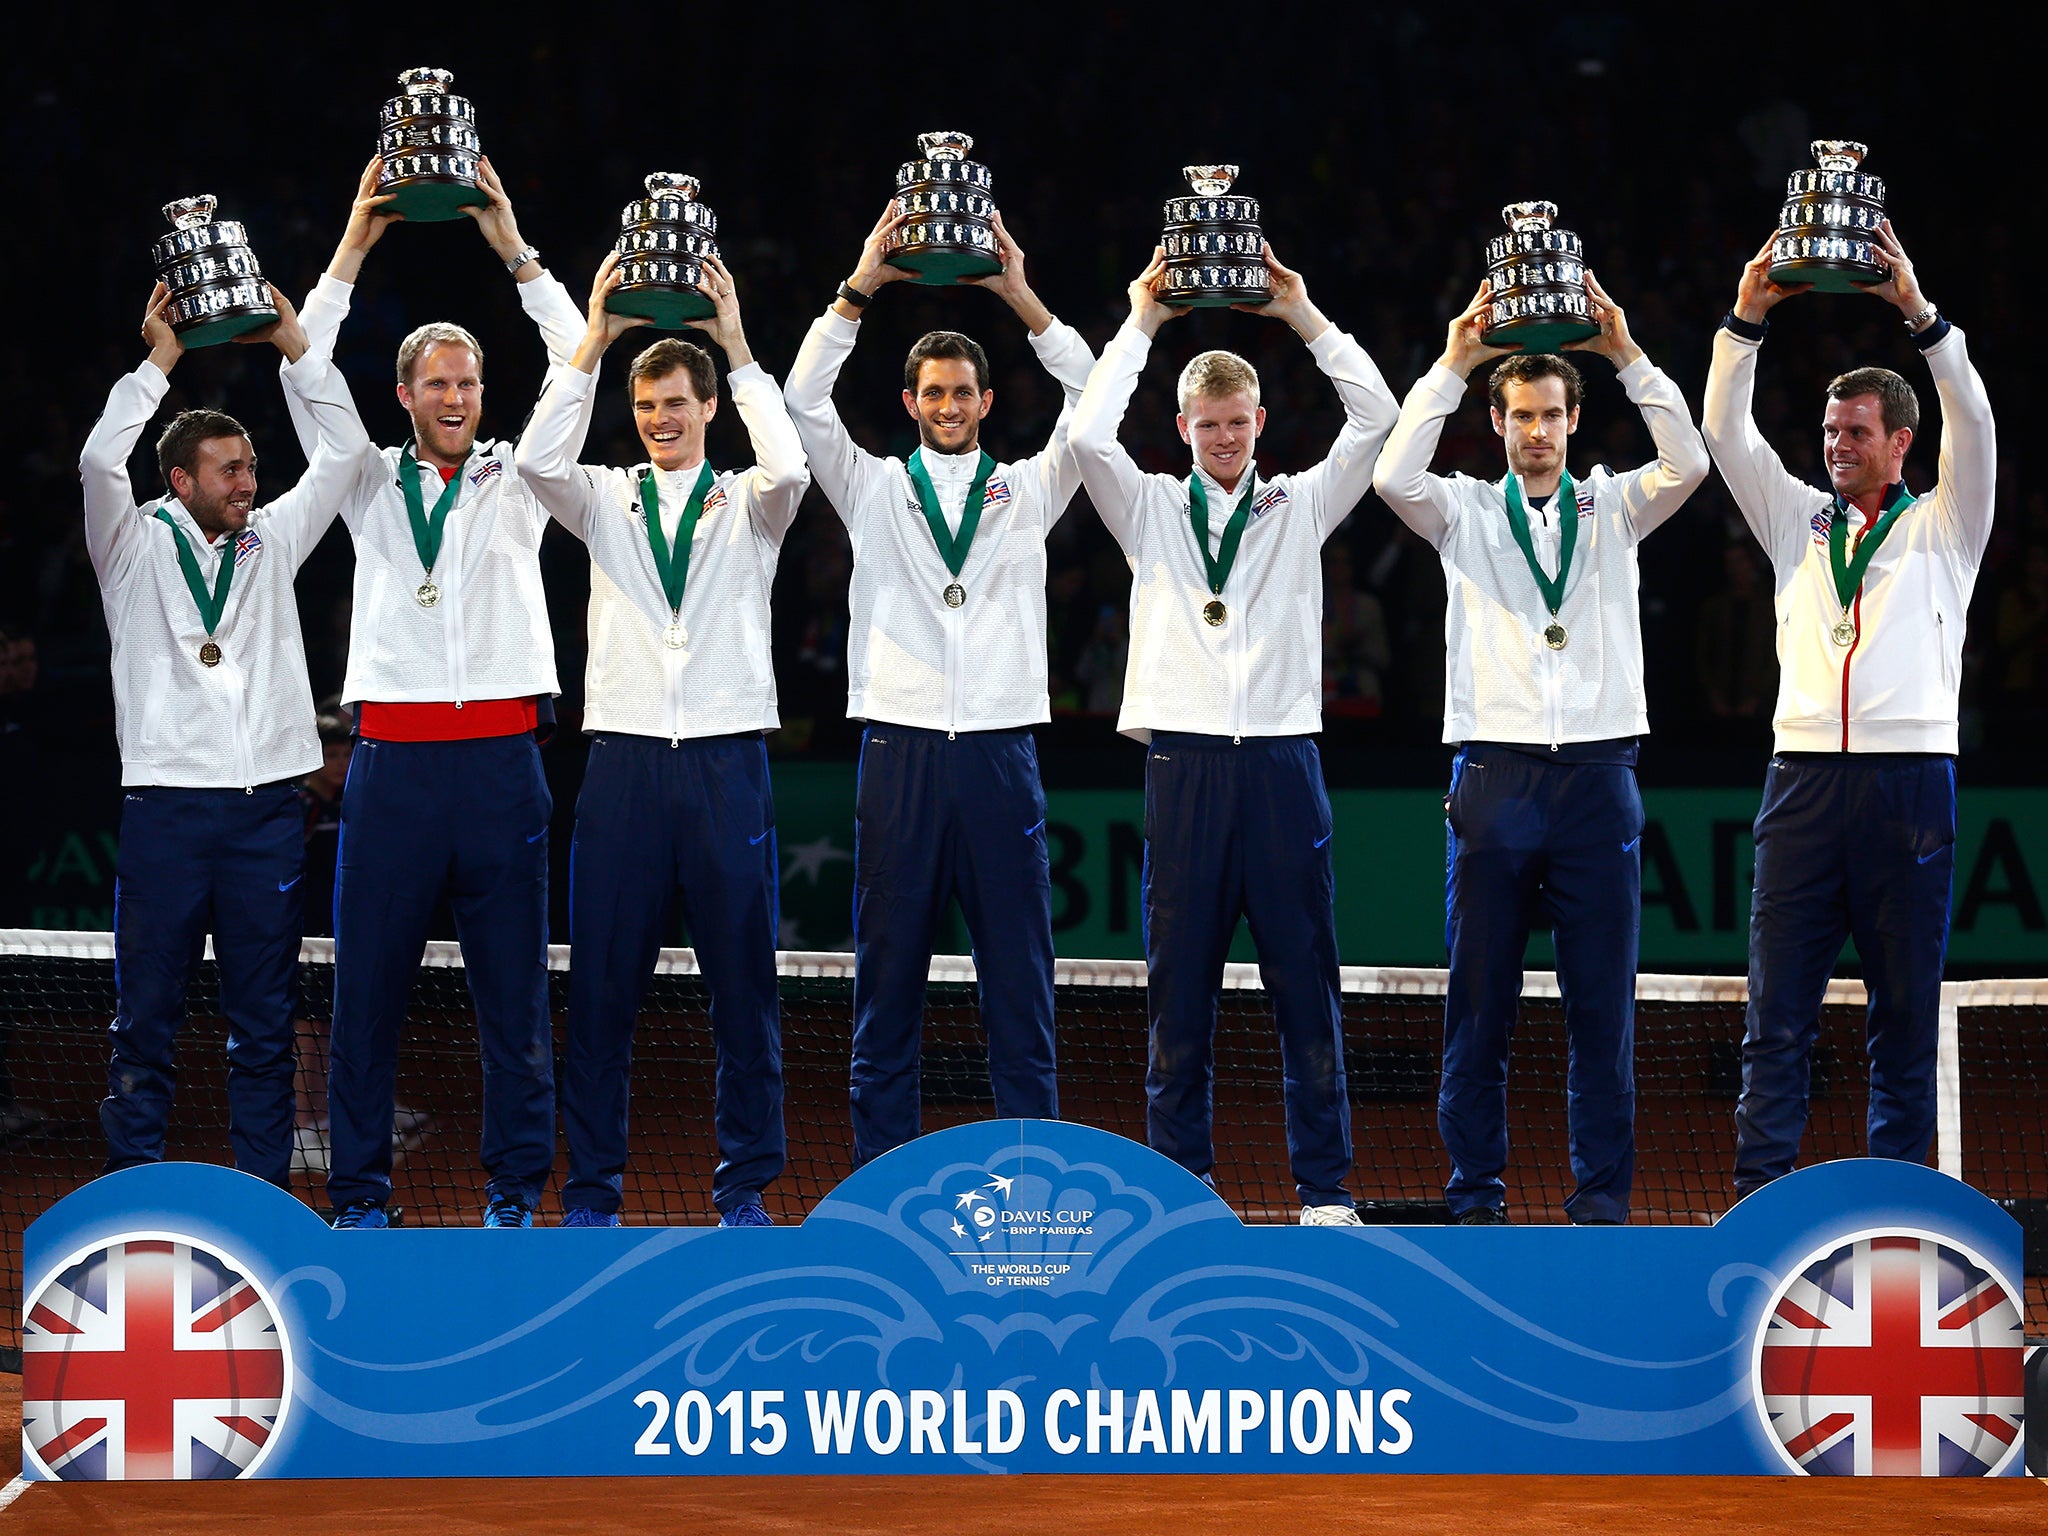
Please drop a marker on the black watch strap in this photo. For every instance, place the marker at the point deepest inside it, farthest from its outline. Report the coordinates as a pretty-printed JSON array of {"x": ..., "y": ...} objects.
[{"x": 854, "y": 296}]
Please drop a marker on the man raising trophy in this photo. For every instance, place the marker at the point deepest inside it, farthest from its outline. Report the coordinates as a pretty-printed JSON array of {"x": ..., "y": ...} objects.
[
  {"x": 1543, "y": 698},
  {"x": 947, "y": 667},
  {"x": 1856, "y": 834},
  {"x": 1225, "y": 684},
  {"x": 675, "y": 806}
]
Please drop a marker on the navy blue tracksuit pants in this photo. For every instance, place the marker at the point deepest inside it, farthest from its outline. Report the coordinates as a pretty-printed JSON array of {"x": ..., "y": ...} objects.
[
  {"x": 657, "y": 819},
  {"x": 935, "y": 818},
  {"x": 1856, "y": 846},
  {"x": 1243, "y": 830},
  {"x": 419, "y": 818},
  {"x": 193, "y": 861},
  {"x": 1532, "y": 839}
]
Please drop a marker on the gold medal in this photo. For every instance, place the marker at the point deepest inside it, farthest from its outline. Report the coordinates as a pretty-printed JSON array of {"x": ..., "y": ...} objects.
[
  {"x": 675, "y": 637},
  {"x": 1214, "y": 613},
  {"x": 209, "y": 655},
  {"x": 1844, "y": 633},
  {"x": 427, "y": 595},
  {"x": 1554, "y": 635},
  {"x": 955, "y": 594}
]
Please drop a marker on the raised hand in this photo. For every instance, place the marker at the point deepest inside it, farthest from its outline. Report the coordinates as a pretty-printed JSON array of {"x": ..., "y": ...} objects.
[
  {"x": 606, "y": 326},
  {"x": 1465, "y": 346},
  {"x": 1613, "y": 342},
  {"x": 1010, "y": 284},
  {"x": 1902, "y": 285},
  {"x": 164, "y": 346},
  {"x": 1148, "y": 311},
  {"x": 1758, "y": 295},
  {"x": 873, "y": 268},
  {"x": 368, "y": 218},
  {"x": 723, "y": 326},
  {"x": 285, "y": 333},
  {"x": 495, "y": 217},
  {"x": 1290, "y": 301}
]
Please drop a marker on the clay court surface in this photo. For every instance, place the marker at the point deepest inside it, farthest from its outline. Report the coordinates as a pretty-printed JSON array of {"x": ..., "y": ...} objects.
[{"x": 972, "y": 1506}]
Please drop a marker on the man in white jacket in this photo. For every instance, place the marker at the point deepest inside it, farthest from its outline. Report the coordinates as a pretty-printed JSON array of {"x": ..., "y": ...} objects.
[
  {"x": 1225, "y": 682},
  {"x": 1543, "y": 697},
  {"x": 1856, "y": 833},
  {"x": 946, "y": 665},
  {"x": 680, "y": 689},
  {"x": 215, "y": 720},
  {"x": 451, "y": 669}
]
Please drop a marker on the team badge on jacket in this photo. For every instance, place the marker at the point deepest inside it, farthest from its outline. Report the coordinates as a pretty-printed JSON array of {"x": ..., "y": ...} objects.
[
  {"x": 247, "y": 542},
  {"x": 1274, "y": 495},
  {"x": 997, "y": 494},
  {"x": 487, "y": 470}
]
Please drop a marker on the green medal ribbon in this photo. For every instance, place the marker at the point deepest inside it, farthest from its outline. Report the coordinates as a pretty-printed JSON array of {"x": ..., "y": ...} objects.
[
  {"x": 1568, "y": 516},
  {"x": 1218, "y": 565},
  {"x": 674, "y": 565},
  {"x": 952, "y": 547},
  {"x": 426, "y": 526},
  {"x": 1849, "y": 570},
  {"x": 210, "y": 603}
]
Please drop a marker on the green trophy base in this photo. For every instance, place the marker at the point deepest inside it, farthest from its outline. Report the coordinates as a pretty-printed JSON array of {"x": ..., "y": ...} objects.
[
  {"x": 938, "y": 265},
  {"x": 1215, "y": 298},
  {"x": 1826, "y": 276},
  {"x": 214, "y": 330},
  {"x": 670, "y": 309},
  {"x": 1540, "y": 335},
  {"x": 433, "y": 199}
]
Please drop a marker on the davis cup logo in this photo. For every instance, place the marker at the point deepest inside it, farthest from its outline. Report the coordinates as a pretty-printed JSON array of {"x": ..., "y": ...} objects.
[
  {"x": 1894, "y": 1354},
  {"x": 151, "y": 1356}
]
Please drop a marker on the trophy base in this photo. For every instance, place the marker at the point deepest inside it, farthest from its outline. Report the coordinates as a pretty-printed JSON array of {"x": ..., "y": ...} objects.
[
  {"x": 1827, "y": 276},
  {"x": 215, "y": 329},
  {"x": 939, "y": 265},
  {"x": 1542, "y": 335},
  {"x": 432, "y": 199},
  {"x": 1215, "y": 298},
  {"x": 670, "y": 309}
]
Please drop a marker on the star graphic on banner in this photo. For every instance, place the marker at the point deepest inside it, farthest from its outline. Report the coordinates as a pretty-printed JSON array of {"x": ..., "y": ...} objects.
[
  {"x": 972, "y": 1195},
  {"x": 986, "y": 1236},
  {"x": 808, "y": 860},
  {"x": 1001, "y": 1185},
  {"x": 789, "y": 934},
  {"x": 958, "y": 1230}
]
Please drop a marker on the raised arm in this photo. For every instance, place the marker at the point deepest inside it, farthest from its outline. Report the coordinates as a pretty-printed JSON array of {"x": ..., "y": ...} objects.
[
  {"x": 841, "y": 467},
  {"x": 779, "y": 478},
  {"x": 112, "y": 530},
  {"x": 1420, "y": 499},
  {"x": 1656, "y": 490},
  {"x": 339, "y": 455},
  {"x": 1112, "y": 477},
  {"x": 1345, "y": 473},
  {"x": 554, "y": 435}
]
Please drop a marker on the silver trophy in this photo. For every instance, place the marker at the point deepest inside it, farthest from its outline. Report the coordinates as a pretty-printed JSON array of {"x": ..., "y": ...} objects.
[
  {"x": 217, "y": 288},
  {"x": 950, "y": 232},
  {"x": 432, "y": 156},
  {"x": 1215, "y": 251},
  {"x": 1827, "y": 230},
  {"x": 1538, "y": 272},
  {"x": 664, "y": 239}
]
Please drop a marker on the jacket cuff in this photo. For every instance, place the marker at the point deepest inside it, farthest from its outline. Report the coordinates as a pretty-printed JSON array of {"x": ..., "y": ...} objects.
[
  {"x": 1934, "y": 335},
  {"x": 1746, "y": 329}
]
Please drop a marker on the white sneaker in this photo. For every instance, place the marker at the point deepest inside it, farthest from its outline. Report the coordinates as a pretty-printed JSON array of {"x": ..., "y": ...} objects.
[
  {"x": 309, "y": 1149},
  {"x": 1330, "y": 1216}
]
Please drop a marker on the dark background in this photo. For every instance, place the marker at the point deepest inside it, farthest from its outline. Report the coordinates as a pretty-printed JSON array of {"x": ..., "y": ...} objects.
[{"x": 1380, "y": 140}]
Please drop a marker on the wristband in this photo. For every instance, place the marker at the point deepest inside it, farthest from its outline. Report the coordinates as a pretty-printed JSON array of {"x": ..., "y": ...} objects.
[{"x": 854, "y": 296}]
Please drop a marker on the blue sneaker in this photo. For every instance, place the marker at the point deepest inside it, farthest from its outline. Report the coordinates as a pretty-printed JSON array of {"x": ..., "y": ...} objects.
[
  {"x": 508, "y": 1211},
  {"x": 360, "y": 1216},
  {"x": 584, "y": 1216},
  {"x": 751, "y": 1214}
]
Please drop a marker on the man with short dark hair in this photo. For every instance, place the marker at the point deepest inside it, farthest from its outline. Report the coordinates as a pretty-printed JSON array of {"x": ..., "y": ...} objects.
[
  {"x": 1543, "y": 698},
  {"x": 1225, "y": 686},
  {"x": 946, "y": 665},
  {"x": 451, "y": 673},
  {"x": 1856, "y": 834},
  {"x": 215, "y": 720},
  {"x": 679, "y": 693}
]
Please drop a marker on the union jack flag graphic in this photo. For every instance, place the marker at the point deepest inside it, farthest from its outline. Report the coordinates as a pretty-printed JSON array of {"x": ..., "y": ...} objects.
[
  {"x": 1821, "y": 522},
  {"x": 1893, "y": 1356},
  {"x": 996, "y": 494},
  {"x": 485, "y": 471},
  {"x": 247, "y": 542},
  {"x": 151, "y": 1358}
]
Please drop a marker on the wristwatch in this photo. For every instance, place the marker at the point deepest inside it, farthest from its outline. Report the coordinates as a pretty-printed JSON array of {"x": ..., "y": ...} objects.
[{"x": 520, "y": 258}]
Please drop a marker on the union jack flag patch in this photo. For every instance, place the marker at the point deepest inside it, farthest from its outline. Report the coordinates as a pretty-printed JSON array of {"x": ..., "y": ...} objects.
[
  {"x": 247, "y": 542},
  {"x": 997, "y": 494},
  {"x": 485, "y": 471},
  {"x": 1823, "y": 520},
  {"x": 1268, "y": 500},
  {"x": 715, "y": 501}
]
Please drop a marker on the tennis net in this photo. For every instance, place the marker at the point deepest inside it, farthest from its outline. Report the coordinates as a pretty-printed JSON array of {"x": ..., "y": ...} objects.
[{"x": 57, "y": 996}]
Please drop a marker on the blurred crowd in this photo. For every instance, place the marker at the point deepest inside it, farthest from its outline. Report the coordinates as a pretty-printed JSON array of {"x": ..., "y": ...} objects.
[{"x": 1376, "y": 184}]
